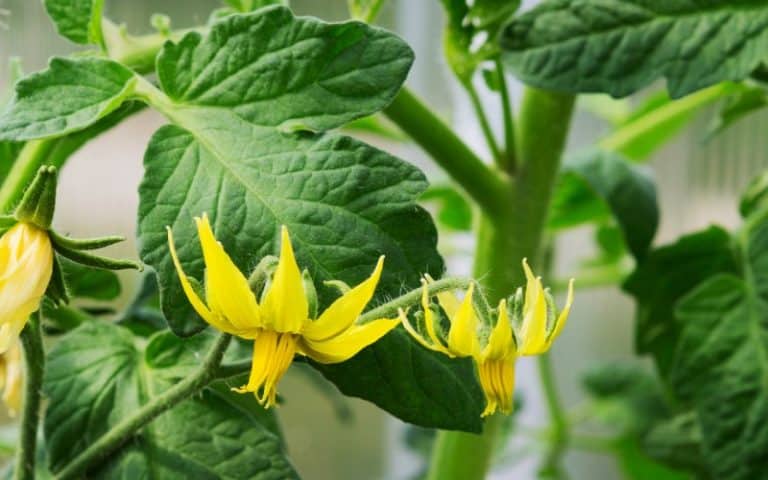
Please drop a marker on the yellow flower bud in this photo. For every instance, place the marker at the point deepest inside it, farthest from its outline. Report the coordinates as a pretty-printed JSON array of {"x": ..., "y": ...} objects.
[{"x": 26, "y": 264}]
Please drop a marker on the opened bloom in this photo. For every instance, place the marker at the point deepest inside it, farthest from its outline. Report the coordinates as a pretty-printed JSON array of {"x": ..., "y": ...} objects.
[
  {"x": 12, "y": 377},
  {"x": 280, "y": 325},
  {"x": 26, "y": 264},
  {"x": 528, "y": 327}
]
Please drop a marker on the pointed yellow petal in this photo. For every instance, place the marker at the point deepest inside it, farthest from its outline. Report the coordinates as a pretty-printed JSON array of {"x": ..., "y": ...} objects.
[
  {"x": 11, "y": 328},
  {"x": 285, "y": 306},
  {"x": 563, "y": 317},
  {"x": 530, "y": 287},
  {"x": 462, "y": 337},
  {"x": 226, "y": 288},
  {"x": 194, "y": 300},
  {"x": 437, "y": 347},
  {"x": 533, "y": 331},
  {"x": 500, "y": 342},
  {"x": 348, "y": 344},
  {"x": 345, "y": 310},
  {"x": 12, "y": 380}
]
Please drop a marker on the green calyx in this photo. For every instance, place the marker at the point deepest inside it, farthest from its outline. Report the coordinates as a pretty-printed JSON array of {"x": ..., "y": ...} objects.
[{"x": 39, "y": 200}]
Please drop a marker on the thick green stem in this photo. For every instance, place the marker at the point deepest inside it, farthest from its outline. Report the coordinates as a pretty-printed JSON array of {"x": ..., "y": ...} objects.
[
  {"x": 504, "y": 240},
  {"x": 552, "y": 466},
  {"x": 484, "y": 185},
  {"x": 123, "y": 431},
  {"x": 34, "y": 362}
]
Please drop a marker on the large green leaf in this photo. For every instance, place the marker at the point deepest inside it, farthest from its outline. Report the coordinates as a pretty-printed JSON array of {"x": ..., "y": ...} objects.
[
  {"x": 666, "y": 275},
  {"x": 77, "y": 20},
  {"x": 597, "y": 184},
  {"x": 618, "y": 47},
  {"x": 419, "y": 386},
  {"x": 98, "y": 375},
  {"x": 720, "y": 364},
  {"x": 70, "y": 95},
  {"x": 237, "y": 99}
]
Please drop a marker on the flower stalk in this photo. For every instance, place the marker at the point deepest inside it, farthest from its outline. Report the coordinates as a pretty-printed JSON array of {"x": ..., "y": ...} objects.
[{"x": 34, "y": 360}]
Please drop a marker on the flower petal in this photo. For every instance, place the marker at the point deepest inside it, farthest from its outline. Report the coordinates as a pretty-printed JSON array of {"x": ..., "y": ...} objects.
[
  {"x": 500, "y": 342},
  {"x": 437, "y": 347},
  {"x": 226, "y": 288},
  {"x": 285, "y": 307},
  {"x": 345, "y": 310},
  {"x": 533, "y": 331},
  {"x": 563, "y": 317},
  {"x": 200, "y": 307},
  {"x": 447, "y": 300},
  {"x": 348, "y": 344},
  {"x": 462, "y": 337},
  {"x": 497, "y": 378}
]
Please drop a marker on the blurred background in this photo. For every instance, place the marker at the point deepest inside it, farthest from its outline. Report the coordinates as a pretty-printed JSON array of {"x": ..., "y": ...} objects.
[{"x": 331, "y": 437}]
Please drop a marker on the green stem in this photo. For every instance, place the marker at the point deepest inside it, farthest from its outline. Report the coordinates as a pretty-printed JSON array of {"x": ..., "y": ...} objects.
[
  {"x": 390, "y": 309},
  {"x": 34, "y": 360},
  {"x": 552, "y": 465},
  {"x": 504, "y": 239},
  {"x": 125, "y": 430},
  {"x": 366, "y": 14},
  {"x": 477, "y": 105},
  {"x": 480, "y": 182},
  {"x": 507, "y": 161}
]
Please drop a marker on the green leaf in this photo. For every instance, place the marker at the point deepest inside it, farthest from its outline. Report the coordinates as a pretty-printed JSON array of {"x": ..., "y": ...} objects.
[
  {"x": 637, "y": 465},
  {"x": 86, "y": 282},
  {"x": 454, "y": 211},
  {"x": 666, "y": 275},
  {"x": 68, "y": 96},
  {"x": 677, "y": 442},
  {"x": 718, "y": 367},
  {"x": 598, "y": 183},
  {"x": 418, "y": 386},
  {"x": 245, "y": 6},
  {"x": 744, "y": 102},
  {"x": 98, "y": 375},
  {"x": 617, "y": 47},
  {"x": 489, "y": 14},
  {"x": 755, "y": 196},
  {"x": 77, "y": 20},
  {"x": 237, "y": 98}
]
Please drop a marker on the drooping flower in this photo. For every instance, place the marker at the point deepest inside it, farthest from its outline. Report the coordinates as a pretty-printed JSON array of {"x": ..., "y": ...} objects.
[
  {"x": 12, "y": 377},
  {"x": 494, "y": 345},
  {"x": 26, "y": 264},
  {"x": 280, "y": 325}
]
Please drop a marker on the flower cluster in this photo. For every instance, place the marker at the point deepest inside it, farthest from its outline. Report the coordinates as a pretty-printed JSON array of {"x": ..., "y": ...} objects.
[
  {"x": 280, "y": 324},
  {"x": 526, "y": 324}
]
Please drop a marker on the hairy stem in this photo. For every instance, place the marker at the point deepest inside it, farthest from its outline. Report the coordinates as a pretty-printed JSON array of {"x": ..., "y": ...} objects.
[
  {"x": 480, "y": 182},
  {"x": 34, "y": 363},
  {"x": 411, "y": 298},
  {"x": 551, "y": 466},
  {"x": 123, "y": 431}
]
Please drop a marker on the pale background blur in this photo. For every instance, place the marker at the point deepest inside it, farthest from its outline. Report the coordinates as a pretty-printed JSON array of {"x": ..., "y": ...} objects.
[{"x": 334, "y": 438}]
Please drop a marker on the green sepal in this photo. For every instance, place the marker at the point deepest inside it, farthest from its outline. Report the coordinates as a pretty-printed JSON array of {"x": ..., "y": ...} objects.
[
  {"x": 341, "y": 286},
  {"x": 263, "y": 272},
  {"x": 310, "y": 292},
  {"x": 39, "y": 200},
  {"x": 57, "y": 288},
  {"x": 96, "y": 261},
  {"x": 482, "y": 307},
  {"x": 85, "y": 243}
]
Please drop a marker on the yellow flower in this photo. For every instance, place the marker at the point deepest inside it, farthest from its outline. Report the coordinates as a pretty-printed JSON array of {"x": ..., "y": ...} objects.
[
  {"x": 26, "y": 264},
  {"x": 12, "y": 378},
  {"x": 533, "y": 334},
  {"x": 280, "y": 325}
]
